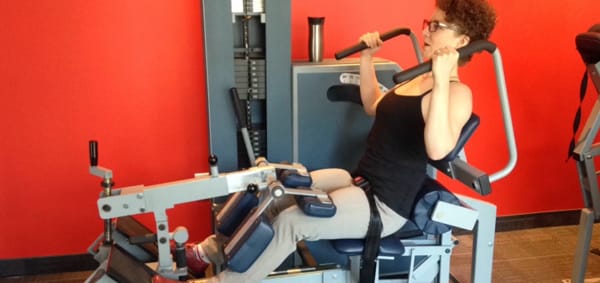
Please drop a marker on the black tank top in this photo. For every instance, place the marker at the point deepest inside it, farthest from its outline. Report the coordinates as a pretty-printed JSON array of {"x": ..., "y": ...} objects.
[{"x": 395, "y": 158}]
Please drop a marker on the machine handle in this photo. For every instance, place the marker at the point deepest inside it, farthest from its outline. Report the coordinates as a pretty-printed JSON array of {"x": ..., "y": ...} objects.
[
  {"x": 476, "y": 46},
  {"x": 361, "y": 46},
  {"x": 237, "y": 106},
  {"x": 93, "y": 146}
]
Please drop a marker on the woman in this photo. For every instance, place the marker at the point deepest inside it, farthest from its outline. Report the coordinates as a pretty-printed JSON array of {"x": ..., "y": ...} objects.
[{"x": 419, "y": 120}]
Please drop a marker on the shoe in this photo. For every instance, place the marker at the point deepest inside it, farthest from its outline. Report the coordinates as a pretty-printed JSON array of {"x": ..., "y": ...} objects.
[
  {"x": 195, "y": 264},
  {"x": 159, "y": 279}
]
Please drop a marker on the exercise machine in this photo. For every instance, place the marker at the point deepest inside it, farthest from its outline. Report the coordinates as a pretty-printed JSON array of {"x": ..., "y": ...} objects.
[
  {"x": 584, "y": 150},
  {"x": 252, "y": 190}
]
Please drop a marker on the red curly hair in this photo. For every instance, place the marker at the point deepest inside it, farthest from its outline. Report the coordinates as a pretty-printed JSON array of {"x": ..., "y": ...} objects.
[{"x": 475, "y": 18}]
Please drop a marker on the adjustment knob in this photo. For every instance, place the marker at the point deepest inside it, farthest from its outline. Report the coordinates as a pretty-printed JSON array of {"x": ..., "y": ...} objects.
[{"x": 93, "y": 147}]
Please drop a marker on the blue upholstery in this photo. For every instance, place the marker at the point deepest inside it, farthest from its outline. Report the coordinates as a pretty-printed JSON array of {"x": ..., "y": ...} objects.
[
  {"x": 430, "y": 194},
  {"x": 242, "y": 203},
  {"x": 291, "y": 179},
  {"x": 314, "y": 207},
  {"x": 388, "y": 246},
  {"x": 253, "y": 244},
  {"x": 310, "y": 205}
]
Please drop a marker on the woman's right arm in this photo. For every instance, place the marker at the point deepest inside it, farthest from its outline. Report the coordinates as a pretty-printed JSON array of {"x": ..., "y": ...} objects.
[{"x": 369, "y": 86}]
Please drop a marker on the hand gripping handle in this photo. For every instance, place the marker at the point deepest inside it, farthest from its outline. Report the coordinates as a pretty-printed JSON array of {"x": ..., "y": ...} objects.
[
  {"x": 476, "y": 46},
  {"x": 361, "y": 46}
]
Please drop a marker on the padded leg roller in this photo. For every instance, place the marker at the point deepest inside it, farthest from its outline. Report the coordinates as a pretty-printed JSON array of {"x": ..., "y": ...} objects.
[
  {"x": 234, "y": 212},
  {"x": 316, "y": 207},
  {"x": 291, "y": 179},
  {"x": 311, "y": 205},
  {"x": 430, "y": 194},
  {"x": 251, "y": 246}
]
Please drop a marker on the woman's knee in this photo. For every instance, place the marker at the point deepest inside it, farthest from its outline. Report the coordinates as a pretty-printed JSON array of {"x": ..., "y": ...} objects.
[
  {"x": 330, "y": 179},
  {"x": 292, "y": 223}
]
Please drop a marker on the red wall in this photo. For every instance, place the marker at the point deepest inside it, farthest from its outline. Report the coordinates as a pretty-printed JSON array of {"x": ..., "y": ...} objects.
[
  {"x": 127, "y": 73},
  {"x": 131, "y": 75}
]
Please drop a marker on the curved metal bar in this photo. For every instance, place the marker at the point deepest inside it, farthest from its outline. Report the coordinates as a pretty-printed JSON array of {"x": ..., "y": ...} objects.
[
  {"x": 474, "y": 47},
  {"x": 416, "y": 47},
  {"x": 507, "y": 118}
]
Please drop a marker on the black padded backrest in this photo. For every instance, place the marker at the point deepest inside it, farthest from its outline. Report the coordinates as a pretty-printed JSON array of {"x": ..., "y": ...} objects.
[
  {"x": 344, "y": 92},
  {"x": 465, "y": 134},
  {"x": 588, "y": 45}
]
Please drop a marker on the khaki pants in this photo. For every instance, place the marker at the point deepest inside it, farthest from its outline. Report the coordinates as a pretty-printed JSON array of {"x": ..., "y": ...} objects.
[{"x": 291, "y": 225}]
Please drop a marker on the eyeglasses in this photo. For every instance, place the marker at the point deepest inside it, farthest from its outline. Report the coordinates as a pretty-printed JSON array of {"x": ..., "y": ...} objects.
[{"x": 433, "y": 26}]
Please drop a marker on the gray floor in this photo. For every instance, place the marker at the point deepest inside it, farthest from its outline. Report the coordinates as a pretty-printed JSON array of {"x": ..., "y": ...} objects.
[{"x": 529, "y": 256}]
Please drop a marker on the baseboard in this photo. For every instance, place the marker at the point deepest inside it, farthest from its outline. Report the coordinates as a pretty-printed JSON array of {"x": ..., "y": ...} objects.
[
  {"x": 537, "y": 220},
  {"x": 73, "y": 263},
  {"x": 45, "y": 265}
]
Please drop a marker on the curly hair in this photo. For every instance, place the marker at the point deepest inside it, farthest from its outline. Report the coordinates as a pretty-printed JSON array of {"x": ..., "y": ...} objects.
[{"x": 475, "y": 18}]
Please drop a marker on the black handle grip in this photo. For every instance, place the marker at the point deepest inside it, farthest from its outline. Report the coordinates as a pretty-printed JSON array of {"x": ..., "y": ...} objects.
[
  {"x": 93, "y": 153},
  {"x": 237, "y": 107},
  {"x": 180, "y": 259},
  {"x": 473, "y": 47},
  {"x": 361, "y": 46}
]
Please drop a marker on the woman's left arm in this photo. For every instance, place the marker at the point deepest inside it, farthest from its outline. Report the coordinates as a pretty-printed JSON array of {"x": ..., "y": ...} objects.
[{"x": 450, "y": 107}]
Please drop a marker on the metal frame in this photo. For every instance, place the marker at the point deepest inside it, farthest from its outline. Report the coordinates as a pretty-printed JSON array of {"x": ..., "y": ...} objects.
[
  {"x": 158, "y": 198},
  {"x": 584, "y": 153}
]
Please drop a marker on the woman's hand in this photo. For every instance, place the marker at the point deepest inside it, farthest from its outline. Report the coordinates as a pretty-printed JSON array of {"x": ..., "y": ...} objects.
[
  {"x": 373, "y": 41},
  {"x": 444, "y": 62}
]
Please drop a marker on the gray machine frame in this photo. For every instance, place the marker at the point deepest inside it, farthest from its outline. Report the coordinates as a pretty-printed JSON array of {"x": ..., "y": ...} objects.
[
  {"x": 220, "y": 69},
  {"x": 585, "y": 151},
  {"x": 339, "y": 124},
  {"x": 271, "y": 37},
  {"x": 157, "y": 199}
]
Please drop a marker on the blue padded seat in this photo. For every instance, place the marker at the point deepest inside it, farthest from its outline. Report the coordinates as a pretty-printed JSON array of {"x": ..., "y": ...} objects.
[
  {"x": 419, "y": 223},
  {"x": 388, "y": 246}
]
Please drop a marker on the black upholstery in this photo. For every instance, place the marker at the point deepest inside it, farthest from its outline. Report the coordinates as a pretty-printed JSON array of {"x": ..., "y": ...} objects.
[
  {"x": 344, "y": 92},
  {"x": 588, "y": 45}
]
